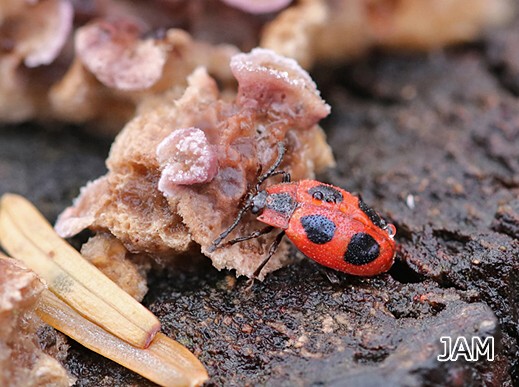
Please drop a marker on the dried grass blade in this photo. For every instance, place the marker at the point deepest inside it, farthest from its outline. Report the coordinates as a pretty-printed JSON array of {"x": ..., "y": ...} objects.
[
  {"x": 165, "y": 361},
  {"x": 27, "y": 236}
]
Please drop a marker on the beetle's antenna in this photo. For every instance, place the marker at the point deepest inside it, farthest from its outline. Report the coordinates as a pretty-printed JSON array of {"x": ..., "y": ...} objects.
[{"x": 272, "y": 169}]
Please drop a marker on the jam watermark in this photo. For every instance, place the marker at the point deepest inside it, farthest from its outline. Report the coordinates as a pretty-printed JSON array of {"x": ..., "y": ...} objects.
[{"x": 462, "y": 348}]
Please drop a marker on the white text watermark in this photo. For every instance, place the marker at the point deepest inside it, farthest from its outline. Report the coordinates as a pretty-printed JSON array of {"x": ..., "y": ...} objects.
[{"x": 462, "y": 348}]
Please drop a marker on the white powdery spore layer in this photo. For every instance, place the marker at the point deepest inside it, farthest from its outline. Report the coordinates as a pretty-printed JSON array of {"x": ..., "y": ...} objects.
[{"x": 186, "y": 158}]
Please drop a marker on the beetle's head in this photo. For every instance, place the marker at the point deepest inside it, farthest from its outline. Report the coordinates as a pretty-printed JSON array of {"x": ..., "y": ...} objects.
[{"x": 258, "y": 202}]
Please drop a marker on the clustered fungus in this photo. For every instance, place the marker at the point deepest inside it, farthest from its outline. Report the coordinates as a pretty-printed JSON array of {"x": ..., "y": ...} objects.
[
  {"x": 178, "y": 170},
  {"x": 331, "y": 31},
  {"x": 117, "y": 67},
  {"x": 122, "y": 52}
]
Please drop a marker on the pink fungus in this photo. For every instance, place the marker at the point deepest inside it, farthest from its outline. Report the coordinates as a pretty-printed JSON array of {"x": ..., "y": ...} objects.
[
  {"x": 258, "y": 6},
  {"x": 268, "y": 81},
  {"x": 186, "y": 158},
  {"x": 115, "y": 54}
]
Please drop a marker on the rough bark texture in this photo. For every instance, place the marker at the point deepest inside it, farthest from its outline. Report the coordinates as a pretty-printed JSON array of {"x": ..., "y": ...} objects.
[{"x": 430, "y": 141}]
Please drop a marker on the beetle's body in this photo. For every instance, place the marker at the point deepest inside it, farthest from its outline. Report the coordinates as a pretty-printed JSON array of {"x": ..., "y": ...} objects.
[
  {"x": 330, "y": 226},
  {"x": 326, "y": 223}
]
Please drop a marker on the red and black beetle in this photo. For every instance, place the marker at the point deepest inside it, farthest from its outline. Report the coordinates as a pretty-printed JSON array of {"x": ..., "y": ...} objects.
[{"x": 326, "y": 223}]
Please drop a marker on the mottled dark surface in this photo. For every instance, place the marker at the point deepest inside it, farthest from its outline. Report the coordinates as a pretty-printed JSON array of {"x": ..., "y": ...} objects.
[
  {"x": 431, "y": 142},
  {"x": 49, "y": 165}
]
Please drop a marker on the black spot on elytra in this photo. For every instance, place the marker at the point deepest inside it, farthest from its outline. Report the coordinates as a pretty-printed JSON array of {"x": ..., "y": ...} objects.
[
  {"x": 282, "y": 203},
  {"x": 326, "y": 193},
  {"x": 372, "y": 215},
  {"x": 318, "y": 228},
  {"x": 362, "y": 249}
]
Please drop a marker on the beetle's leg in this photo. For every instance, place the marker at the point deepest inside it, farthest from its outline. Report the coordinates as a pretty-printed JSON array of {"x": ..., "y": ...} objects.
[
  {"x": 286, "y": 178},
  {"x": 252, "y": 235},
  {"x": 224, "y": 234},
  {"x": 329, "y": 274},
  {"x": 272, "y": 250},
  {"x": 358, "y": 195}
]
